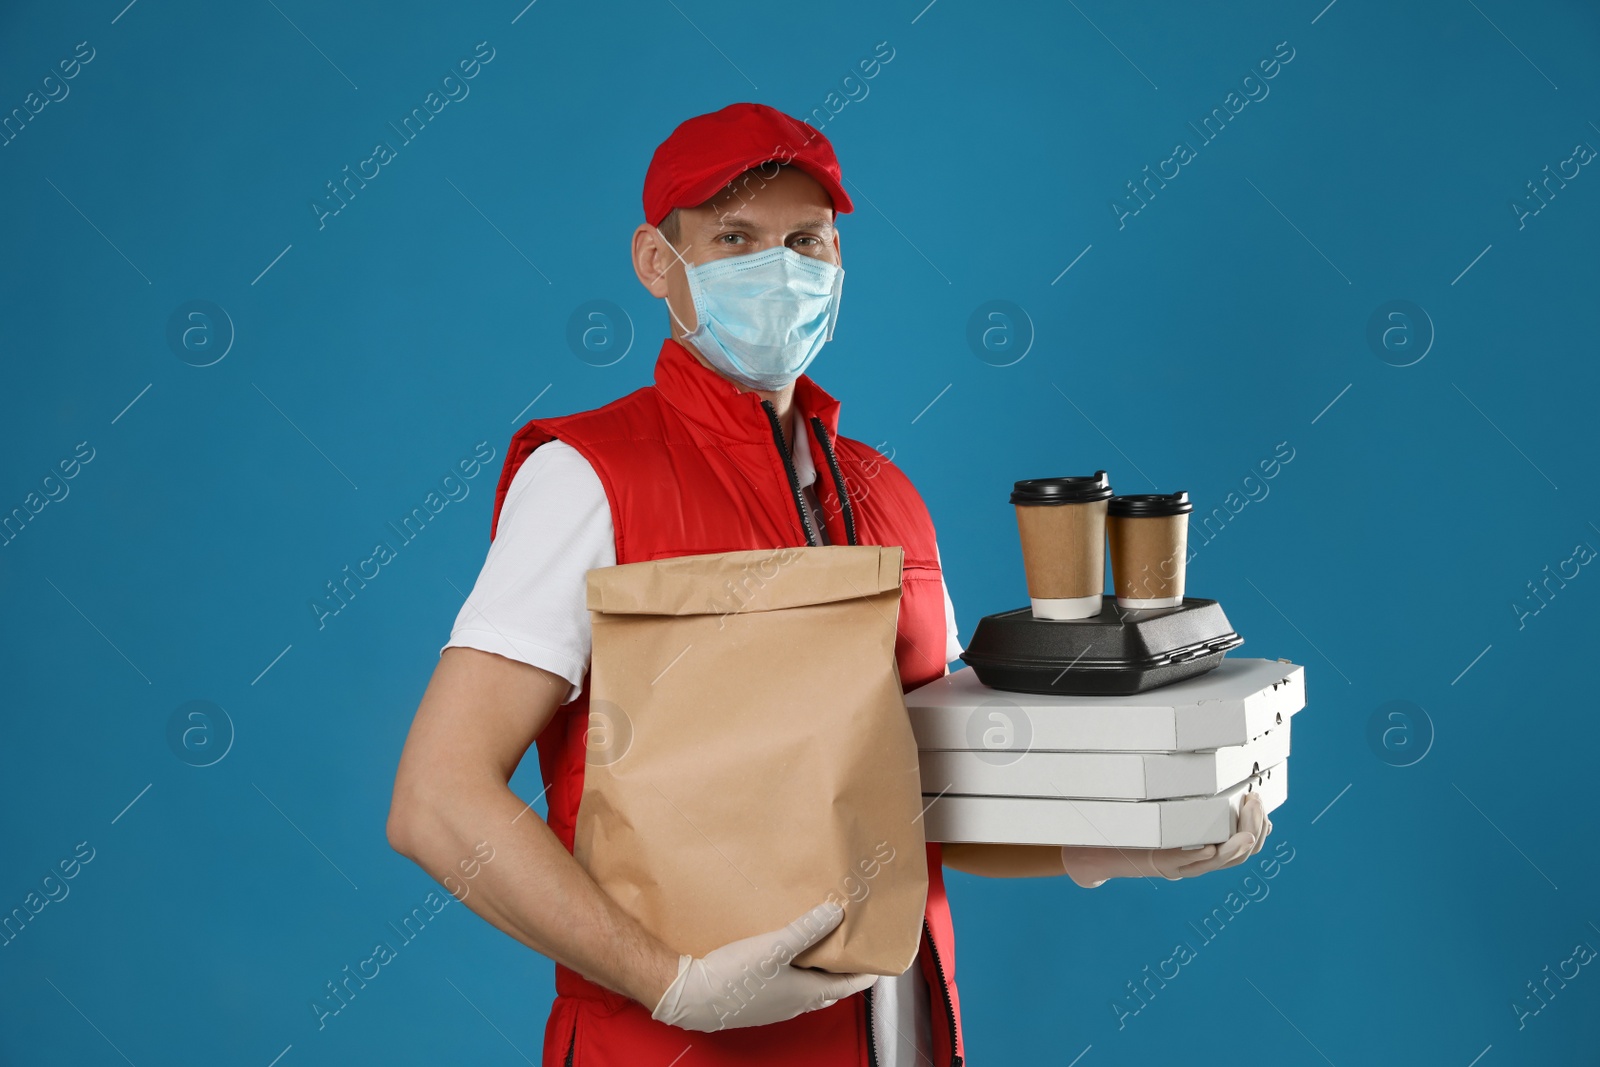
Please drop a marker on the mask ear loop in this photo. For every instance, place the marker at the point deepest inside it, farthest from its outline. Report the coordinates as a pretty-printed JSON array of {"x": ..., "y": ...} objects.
[{"x": 686, "y": 266}]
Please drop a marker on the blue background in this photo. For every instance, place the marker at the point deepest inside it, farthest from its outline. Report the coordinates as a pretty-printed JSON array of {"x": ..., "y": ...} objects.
[{"x": 364, "y": 358}]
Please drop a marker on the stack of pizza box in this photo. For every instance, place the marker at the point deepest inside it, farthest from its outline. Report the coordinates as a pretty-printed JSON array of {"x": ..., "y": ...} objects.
[{"x": 1165, "y": 768}]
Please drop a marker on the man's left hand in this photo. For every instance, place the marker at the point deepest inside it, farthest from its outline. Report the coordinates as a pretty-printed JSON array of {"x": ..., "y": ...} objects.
[{"x": 1090, "y": 867}]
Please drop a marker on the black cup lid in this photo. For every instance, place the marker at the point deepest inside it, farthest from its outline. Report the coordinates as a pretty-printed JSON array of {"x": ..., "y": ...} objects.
[
  {"x": 1076, "y": 490},
  {"x": 1150, "y": 505}
]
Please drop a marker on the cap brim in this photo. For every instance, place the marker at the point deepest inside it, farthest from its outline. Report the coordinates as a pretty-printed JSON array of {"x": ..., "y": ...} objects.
[{"x": 709, "y": 187}]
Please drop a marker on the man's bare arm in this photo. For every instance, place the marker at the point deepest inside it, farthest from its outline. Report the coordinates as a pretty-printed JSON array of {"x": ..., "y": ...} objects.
[
  {"x": 479, "y": 715},
  {"x": 1005, "y": 861}
]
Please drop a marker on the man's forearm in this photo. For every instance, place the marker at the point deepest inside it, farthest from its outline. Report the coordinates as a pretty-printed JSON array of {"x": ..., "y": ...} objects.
[
  {"x": 1090, "y": 866},
  {"x": 1004, "y": 861},
  {"x": 534, "y": 890}
]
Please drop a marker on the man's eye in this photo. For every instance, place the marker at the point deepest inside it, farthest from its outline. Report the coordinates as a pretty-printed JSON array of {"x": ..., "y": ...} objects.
[{"x": 734, "y": 237}]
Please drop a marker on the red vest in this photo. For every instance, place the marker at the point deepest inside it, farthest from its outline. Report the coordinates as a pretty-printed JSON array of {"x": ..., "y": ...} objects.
[{"x": 693, "y": 465}]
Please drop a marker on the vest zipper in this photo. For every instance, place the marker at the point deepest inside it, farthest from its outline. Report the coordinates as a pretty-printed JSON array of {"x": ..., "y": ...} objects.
[
  {"x": 944, "y": 988},
  {"x": 572, "y": 1045},
  {"x": 872, "y": 1046},
  {"x": 788, "y": 468},
  {"x": 850, "y": 534},
  {"x": 838, "y": 479}
]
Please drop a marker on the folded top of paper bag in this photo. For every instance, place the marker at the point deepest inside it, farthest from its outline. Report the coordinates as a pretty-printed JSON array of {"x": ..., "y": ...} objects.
[{"x": 770, "y": 578}]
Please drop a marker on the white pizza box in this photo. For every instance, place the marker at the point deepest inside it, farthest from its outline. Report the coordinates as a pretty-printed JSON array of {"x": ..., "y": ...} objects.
[
  {"x": 1177, "y": 823},
  {"x": 1100, "y": 775},
  {"x": 1240, "y": 699}
]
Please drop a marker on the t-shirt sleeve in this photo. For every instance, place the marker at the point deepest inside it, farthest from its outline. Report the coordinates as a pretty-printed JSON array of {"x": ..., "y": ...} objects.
[
  {"x": 529, "y": 602},
  {"x": 952, "y": 639}
]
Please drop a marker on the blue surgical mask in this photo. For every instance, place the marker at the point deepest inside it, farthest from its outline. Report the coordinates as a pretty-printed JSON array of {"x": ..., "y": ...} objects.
[{"x": 763, "y": 316}]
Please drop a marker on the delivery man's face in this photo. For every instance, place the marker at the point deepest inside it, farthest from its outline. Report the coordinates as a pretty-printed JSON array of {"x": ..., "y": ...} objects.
[{"x": 753, "y": 214}]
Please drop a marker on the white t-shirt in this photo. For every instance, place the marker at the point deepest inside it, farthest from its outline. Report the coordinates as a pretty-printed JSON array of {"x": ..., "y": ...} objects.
[{"x": 529, "y": 604}]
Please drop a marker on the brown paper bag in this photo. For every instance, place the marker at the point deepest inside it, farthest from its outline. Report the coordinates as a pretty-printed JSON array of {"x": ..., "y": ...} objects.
[{"x": 749, "y": 754}]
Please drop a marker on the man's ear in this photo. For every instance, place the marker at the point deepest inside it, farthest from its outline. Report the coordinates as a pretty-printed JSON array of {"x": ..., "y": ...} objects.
[{"x": 651, "y": 260}]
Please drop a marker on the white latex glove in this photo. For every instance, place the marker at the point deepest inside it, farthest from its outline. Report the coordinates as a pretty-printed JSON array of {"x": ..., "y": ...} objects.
[
  {"x": 1175, "y": 863},
  {"x": 752, "y": 982}
]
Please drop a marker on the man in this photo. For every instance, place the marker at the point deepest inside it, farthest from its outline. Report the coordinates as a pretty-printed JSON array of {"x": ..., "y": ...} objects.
[{"x": 733, "y": 447}]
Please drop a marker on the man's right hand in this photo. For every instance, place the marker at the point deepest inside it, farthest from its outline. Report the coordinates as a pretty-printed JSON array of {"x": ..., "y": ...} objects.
[{"x": 752, "y": 982}]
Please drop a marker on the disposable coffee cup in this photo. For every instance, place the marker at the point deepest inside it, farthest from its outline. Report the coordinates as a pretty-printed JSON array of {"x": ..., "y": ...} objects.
[
  {"x": 1062, "y": 522},
  {"x": 1149, "y": 536}
]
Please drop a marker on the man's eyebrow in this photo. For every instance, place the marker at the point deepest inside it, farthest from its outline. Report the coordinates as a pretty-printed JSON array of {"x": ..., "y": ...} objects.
[{"x": 725, "y": 222}]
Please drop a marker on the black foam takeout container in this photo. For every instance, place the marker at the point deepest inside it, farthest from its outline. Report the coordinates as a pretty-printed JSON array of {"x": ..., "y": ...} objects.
[{"x": 1114, "y": 653}]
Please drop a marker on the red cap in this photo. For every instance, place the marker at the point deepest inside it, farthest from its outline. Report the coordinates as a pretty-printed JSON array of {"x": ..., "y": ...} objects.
[{"x": 707, "y": 152}]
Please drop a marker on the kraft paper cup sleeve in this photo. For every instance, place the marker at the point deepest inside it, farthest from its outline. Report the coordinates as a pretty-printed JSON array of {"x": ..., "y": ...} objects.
[
  {"x": 1063, "y": 548},
  {"x": 1149, "y": 555}
]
